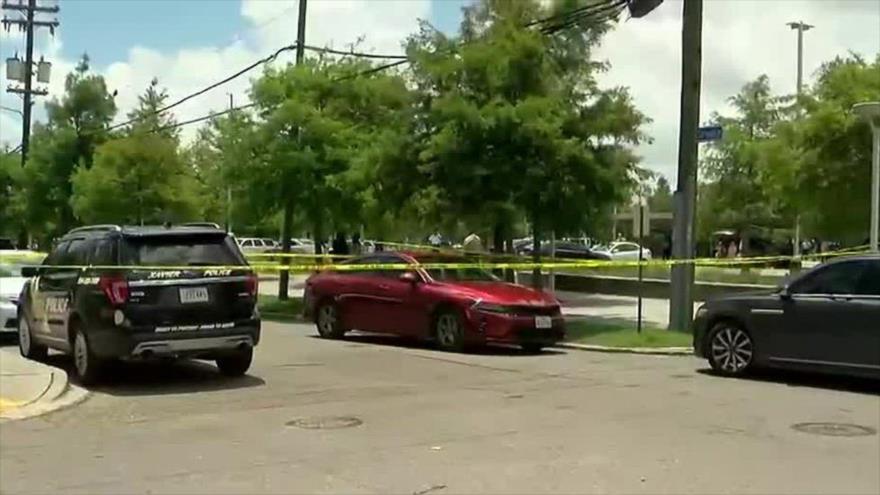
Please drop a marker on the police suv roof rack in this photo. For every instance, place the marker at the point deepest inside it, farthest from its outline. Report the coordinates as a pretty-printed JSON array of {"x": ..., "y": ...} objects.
[
  {"x": 200, "y": 224},
  {"x": 96, "y": 228}
]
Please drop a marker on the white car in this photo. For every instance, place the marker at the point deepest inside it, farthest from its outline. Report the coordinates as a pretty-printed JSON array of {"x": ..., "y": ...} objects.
[
  {"x": 302, "y": 246},
  {"x": 11, "y": 283},
  {"x": 624, "y": 250},
  {"x": 256, "y": 245}
]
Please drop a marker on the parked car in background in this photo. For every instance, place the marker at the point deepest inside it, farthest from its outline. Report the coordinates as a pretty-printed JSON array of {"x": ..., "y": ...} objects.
[
  {"x": 565, "y": 250},
  {"x": 250, "y": 245},
  {"x": 453, "y": 307},
  {"x": 301, "y": 246},
  {"x": 11, "y": 283},
  {"x": 623, "y": 250},
  {"x": 827, "y": 319}
]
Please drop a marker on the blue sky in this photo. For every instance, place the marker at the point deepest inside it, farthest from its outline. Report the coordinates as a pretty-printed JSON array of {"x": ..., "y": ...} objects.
[{"x": 107, "y": 29}]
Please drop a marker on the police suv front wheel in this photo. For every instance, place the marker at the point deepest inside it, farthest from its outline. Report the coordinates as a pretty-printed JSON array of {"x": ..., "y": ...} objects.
[{"x": 26, "y": 345}]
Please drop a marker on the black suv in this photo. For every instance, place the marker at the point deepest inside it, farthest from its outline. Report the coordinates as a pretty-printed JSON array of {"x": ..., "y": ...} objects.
[{"x": 108, "y": 292}]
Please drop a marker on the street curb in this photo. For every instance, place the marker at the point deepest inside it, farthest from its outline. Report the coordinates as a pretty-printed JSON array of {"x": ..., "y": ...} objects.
[
  {"x": 59, "y": 394},
  {"x": 655, "y": 351}
]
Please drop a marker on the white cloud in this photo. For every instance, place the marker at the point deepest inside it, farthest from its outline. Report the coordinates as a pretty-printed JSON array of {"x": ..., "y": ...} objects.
[{"x": 742, "y": 39}]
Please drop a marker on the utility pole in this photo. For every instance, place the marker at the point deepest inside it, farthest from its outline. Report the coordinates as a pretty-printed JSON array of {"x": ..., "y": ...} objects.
[
  {"x": 287, "y": 215},
  {"x": 229, "y": 188},
  {"x": 27, "y": 25},
  {"x": 800, "y": 27},
  {"x": 682, "y": 273}
]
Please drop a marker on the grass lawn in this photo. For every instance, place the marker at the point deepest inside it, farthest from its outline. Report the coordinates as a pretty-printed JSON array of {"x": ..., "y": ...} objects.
[
  {"x": 623, "y": 335},
  {"x": 274, "y": 309}
]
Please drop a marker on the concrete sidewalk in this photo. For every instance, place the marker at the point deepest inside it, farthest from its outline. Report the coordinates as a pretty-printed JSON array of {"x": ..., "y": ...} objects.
[{"x": 31, "y": 388}]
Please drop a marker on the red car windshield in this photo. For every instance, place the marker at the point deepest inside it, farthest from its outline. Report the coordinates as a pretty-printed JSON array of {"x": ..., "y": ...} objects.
[{"x": 457, "y": 274}]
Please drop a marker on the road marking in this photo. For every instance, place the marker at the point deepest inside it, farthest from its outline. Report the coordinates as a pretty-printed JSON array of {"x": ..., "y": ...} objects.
[{"x": 8, "y": 405}]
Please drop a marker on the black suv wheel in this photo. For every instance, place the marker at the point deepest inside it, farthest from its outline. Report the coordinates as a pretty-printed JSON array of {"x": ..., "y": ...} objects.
[
  {"x": 236, "y": 364},
  {"x": 730, "y": 350},
  {"x": 86, "y": 366}
]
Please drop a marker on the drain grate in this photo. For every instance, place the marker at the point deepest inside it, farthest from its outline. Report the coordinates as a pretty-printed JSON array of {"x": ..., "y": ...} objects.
[
  {"x": 834, "y": 429},
  {"x": 326, "y": 422}
]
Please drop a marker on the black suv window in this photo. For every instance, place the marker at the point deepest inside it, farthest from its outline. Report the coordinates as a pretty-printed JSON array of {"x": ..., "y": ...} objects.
[
  {"x": 869, "y": 283},
  {"x": 104, "y": 253},
  {"x": 78, "y": 252},
  {"x": 57, "y": 254},
  {"x": 180, "y": 250},
  {"x": 839, "y": 278}
]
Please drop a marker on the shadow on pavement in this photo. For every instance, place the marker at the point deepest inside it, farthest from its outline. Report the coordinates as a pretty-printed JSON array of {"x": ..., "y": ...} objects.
[
  {"x": 411, "y": 343},
  {"x": 156, "y": 377},
  {"x": 794, "y": 378},
  {"x": 160, "y": 378}
]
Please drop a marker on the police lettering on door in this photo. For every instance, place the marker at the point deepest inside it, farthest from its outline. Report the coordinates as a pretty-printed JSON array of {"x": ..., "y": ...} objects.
[{"x": 56, "y": 305}]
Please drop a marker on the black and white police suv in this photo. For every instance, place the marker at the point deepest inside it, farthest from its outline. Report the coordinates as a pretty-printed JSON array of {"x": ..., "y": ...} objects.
[{"x": 79, "y": 302}]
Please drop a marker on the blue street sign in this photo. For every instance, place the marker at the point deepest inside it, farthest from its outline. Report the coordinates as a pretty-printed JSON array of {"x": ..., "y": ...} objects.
[{"x": 710, "y": 133}]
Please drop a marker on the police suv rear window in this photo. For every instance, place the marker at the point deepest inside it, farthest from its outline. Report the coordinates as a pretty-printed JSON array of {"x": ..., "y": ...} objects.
[{"x": 186, "y": 250}]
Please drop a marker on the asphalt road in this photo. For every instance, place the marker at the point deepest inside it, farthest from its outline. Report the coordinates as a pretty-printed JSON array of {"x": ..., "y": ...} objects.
[{"x": 379, "y": 415}]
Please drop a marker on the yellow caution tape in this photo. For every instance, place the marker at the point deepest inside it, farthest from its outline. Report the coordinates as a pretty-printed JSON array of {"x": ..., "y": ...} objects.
[{"x": 479, "y": 264}]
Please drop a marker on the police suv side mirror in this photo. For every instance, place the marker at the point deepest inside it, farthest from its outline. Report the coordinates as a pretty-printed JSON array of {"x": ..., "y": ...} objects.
[{"x": 784, "y": 293}]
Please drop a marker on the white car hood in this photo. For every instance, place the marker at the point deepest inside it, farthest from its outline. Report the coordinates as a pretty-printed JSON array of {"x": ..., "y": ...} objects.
[{"x": 11, "y": 286}]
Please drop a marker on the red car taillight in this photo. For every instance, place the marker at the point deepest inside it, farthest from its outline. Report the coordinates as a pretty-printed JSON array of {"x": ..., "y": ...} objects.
[
  {"x": 252, "y": 285},
  {"x": 115, "y": 288}
]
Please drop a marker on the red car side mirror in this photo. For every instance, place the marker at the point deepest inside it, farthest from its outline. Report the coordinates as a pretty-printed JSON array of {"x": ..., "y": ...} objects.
[{"x": 409, "y": 277}]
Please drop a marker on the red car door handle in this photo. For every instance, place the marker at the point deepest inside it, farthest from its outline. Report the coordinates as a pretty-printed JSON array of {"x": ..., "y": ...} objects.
[{"x": 384, "y": 287}]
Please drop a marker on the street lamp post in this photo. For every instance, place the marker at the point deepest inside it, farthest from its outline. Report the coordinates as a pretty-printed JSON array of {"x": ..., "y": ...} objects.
[
  {"x": 800, "y": 27},
  {"x": 870, "y": 111}
]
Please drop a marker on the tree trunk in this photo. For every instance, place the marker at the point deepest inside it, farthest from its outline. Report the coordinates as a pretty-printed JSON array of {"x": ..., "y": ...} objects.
[
  {"x": 537, "y": 281},
  {"x": 286, "y": 223}
]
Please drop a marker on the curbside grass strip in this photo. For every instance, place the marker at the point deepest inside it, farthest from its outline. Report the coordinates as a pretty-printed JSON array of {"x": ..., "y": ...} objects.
[{"x": 657, "y": 351}]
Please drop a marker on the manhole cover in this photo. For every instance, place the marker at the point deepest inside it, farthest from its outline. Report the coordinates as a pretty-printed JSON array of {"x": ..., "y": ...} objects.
[
  {"x": 834, "y": 429},
  {"x": 326, "y": 422}
]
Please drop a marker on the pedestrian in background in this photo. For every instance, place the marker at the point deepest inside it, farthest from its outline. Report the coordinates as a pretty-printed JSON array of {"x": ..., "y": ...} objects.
[
  {"x": 340, "y": 246},
  {"x": 356, "y": 247}
]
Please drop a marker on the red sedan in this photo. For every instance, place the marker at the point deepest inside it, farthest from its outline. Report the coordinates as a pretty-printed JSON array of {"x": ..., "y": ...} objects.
[{"x": 452, "y": 307}]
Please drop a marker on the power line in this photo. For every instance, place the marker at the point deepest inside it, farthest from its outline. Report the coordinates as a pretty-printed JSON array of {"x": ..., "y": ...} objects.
[
  {"x": 602, "y": 13},
  {"x": 203, "y": 118},
  {"x": 353, "y": 53},
  {"x": 567, "y": 15},
  {"x": 606, "y": 10},
  {"x": 206, "y": 89}
]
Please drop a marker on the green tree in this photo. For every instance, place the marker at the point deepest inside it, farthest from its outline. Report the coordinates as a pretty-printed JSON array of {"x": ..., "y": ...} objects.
[
  {"x": 77, "y": 124},
  {"x": 11, "y": 207},
  {"x": 821, "y": 161},
  {"x": 511, "y": 123},
  {"x": 732, "y": 166},
  {"x": 317, "y": 125},
  {"x": 139, "y": 177},
  {"x": 661, "y": 196}
]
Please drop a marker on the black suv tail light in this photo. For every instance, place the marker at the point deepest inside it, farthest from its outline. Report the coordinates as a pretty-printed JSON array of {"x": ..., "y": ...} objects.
[
  {"x": 115, "y": 288},
  {"x": 252, "y": 284}
]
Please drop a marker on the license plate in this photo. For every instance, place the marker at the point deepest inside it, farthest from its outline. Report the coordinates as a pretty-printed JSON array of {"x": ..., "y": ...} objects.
[
  {"x": 543, "y": 322},
  {"x": 193, "y": 294}
]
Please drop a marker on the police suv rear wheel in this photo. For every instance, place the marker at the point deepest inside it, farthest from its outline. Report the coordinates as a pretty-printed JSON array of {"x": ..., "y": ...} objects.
[{"x": 236, "y": 364}]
